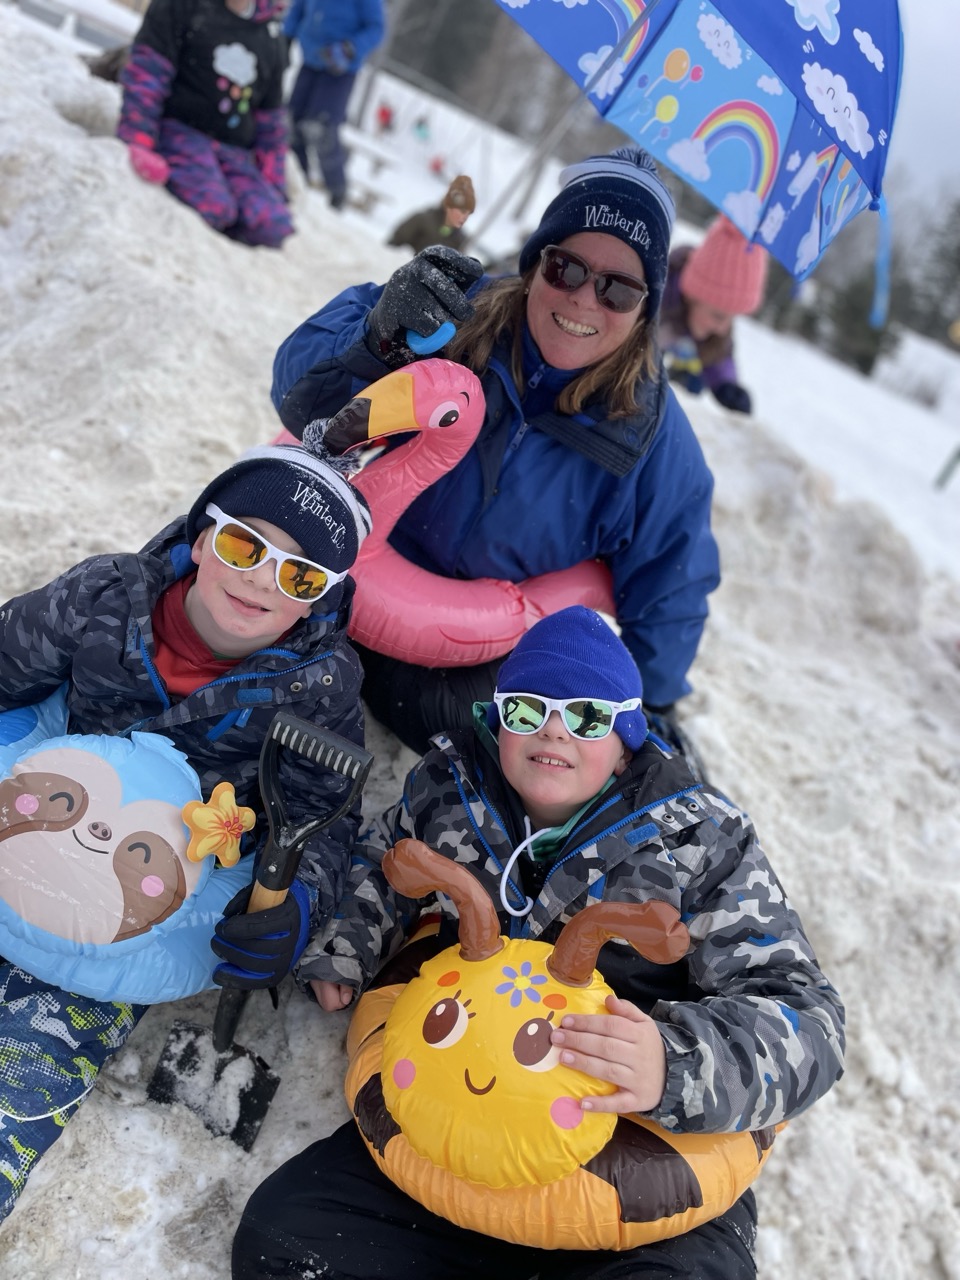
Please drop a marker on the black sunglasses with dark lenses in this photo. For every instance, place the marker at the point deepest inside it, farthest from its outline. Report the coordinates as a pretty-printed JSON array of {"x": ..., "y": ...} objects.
[{"x": 568, "y": 272}]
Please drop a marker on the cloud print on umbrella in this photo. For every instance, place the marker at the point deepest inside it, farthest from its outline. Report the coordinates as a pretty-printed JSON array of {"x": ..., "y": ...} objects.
[{"x": 779, "y": 113}]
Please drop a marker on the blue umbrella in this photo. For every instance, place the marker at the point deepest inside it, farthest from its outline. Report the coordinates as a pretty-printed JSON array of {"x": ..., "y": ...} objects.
[{"x": 778, "y": 111}]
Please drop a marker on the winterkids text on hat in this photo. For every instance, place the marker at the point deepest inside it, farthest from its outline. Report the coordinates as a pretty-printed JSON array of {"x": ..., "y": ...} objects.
[{"x": 292, "y": 488}]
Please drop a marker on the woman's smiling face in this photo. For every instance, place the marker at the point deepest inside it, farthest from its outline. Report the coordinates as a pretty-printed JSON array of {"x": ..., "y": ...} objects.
[{"x": 572, "y": 330}]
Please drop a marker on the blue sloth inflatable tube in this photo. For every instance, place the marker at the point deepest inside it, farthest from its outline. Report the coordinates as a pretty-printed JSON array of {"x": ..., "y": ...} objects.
[{"x": 97, "y": 894}]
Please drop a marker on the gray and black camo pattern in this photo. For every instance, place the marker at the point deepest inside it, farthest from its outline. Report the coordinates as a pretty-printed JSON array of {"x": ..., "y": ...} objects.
[
  {"x": 92, "y": 627},
  {"x": 753, "y": 1030}
]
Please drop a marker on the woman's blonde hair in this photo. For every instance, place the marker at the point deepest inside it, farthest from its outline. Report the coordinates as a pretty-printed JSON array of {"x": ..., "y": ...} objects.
[{"x": 500, "y": 310}]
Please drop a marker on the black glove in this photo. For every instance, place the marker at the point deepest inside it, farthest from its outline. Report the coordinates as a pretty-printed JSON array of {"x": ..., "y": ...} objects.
[
  {"x": 260, "y": 948},
  {"x": 663, "y": 723},
  {"x": 734, "y": 397},
  {"x": 423, "y": 295}
]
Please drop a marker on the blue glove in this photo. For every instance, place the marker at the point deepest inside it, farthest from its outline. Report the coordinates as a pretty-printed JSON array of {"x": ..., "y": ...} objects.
[
  {"x": 422, "y": 295},
  {"x": 734, "y": 397},
  {"x": 260, "y": 948},
  {"x": 337, "y": 57}
]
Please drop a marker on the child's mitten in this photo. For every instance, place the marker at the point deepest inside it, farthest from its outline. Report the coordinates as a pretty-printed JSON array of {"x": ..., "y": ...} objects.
[
  {"x": 337, "y": 57},
  {"x": 148, "y": 165}
]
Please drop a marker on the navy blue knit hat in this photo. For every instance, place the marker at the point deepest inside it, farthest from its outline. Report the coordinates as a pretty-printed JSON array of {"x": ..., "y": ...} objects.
[
  {"x": 293, "y": 488},
  {"x": 575, "y": 654},
  {"x": 622, "y": 195}
]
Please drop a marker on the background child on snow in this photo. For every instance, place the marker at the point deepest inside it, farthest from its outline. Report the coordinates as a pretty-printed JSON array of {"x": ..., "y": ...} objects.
[
  {"x": 335, "y": 40},
  {"x": 535, "y": 800},
  {"x": 203, "y": 112},
  {"x": 440, "y": 224},
  {"x": 707, "y": 286},
  {"x": 196, "y": 637}
]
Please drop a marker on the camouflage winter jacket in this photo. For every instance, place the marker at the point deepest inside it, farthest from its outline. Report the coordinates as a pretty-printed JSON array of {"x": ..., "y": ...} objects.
[
  {"x": 92, "y": 627},
  {"x": 753, "y": 1031}
]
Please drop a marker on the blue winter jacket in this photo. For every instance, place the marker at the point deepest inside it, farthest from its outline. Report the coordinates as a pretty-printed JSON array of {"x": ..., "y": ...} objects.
[
  {"x": 315, "y": 24},
  {"x": 541, "y": 490}
]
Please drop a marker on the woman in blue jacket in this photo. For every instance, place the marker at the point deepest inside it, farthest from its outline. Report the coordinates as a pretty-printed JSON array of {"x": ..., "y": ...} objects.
[{"x": 584, "y": 452}]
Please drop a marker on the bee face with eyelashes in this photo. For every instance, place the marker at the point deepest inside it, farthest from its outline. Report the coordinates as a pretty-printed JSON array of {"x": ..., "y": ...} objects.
[{"x": 464, "y": 1044}]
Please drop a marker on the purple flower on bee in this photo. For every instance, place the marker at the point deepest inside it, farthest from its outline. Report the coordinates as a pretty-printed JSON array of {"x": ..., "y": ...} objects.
[{"x": 521, "y": 984}]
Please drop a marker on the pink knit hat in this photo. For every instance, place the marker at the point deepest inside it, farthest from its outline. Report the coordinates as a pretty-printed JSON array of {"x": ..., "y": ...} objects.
[{"x": 725, "y": 271}]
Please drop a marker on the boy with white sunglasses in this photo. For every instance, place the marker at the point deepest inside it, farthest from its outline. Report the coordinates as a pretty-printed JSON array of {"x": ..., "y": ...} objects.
[
  {"x": 556, "y": 798},
  {"x": 231, "y": 612}
]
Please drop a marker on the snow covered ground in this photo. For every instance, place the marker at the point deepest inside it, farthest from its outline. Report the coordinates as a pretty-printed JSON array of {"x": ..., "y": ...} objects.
[{"x": 136, "y": 356}]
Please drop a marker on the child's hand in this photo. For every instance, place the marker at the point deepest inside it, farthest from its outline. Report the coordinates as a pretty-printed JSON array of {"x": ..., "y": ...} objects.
[
  {"x": 622, "y": 1046},
  {"x": 337, "y": 57},
  {"x": 331, "y": 996}
]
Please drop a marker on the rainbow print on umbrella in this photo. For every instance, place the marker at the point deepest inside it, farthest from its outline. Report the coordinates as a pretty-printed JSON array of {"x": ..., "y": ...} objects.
[
  {"x": 746, "y": 123},
  {"x": 624, "y": 14}
]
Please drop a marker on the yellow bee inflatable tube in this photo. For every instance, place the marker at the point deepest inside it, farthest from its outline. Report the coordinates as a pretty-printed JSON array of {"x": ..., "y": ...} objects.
[{"x": 463, "y": 1103}]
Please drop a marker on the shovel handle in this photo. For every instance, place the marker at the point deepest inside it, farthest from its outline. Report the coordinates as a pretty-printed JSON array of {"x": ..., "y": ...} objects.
[
  {"x": 284, "y": 845},
  {"x": 262, "y": 898},
  {"x": 229, "y": 1008},
  {"x": 233, "y": 999}
]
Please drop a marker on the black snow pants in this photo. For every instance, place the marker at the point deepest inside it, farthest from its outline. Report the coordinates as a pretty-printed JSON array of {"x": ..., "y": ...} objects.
[
  {"x": 330, "y": 1212},
  {"x": 417, "y": 702}
]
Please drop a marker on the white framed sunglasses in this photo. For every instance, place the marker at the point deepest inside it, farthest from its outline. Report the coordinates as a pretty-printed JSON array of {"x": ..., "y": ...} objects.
[
  {"x": 588, "y": 718},
  {"x": 242, "y": 548}
]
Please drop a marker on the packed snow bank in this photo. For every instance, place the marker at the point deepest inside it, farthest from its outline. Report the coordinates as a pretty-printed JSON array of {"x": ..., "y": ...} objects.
[{"x": 137, "y": 351}]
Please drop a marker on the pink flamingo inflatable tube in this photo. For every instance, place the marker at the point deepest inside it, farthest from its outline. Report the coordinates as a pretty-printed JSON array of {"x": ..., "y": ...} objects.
[{"x": 407, "y": 612}]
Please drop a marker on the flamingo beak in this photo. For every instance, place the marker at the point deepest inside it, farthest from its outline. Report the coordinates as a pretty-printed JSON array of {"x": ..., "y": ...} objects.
[{"x": 383, "y": 409}]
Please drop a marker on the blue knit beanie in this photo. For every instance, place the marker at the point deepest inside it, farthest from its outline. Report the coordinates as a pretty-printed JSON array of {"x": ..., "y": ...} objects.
[
  {"x": 622, "y": 195},
  {"x": 575, "y": 654}
]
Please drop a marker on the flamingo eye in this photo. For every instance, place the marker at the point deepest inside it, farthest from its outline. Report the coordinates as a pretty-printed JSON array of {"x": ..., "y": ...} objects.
[
  {"x": 532, "y": 1047},
  {"x": 445, "y": 415},
  {"x": 446, "y": 1023}
]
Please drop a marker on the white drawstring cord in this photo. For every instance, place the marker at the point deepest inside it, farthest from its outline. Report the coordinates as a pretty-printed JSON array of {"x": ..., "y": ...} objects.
[
  {"x": 508, "y": 871},
  {"x": 11, "y": 1115}
]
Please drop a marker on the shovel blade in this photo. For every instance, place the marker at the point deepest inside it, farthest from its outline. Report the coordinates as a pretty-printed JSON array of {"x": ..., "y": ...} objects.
[{"x": 231, "y": 1091}]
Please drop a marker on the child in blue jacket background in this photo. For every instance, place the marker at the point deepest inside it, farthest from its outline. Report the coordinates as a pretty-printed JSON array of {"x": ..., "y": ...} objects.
[{"x": 334, "y": 39}]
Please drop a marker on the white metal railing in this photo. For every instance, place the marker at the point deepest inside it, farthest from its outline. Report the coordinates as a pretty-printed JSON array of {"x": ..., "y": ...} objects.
[{"x": 97, "y": 24}]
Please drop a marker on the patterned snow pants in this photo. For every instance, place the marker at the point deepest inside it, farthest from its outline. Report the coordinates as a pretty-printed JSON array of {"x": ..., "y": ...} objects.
[
  {"x": 52, "y": 1046},
  {"x": 224, "y": 185}
]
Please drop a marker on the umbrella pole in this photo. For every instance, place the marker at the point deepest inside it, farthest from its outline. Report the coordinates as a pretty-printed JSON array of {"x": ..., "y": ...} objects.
[{"x": 535, "y": 161}]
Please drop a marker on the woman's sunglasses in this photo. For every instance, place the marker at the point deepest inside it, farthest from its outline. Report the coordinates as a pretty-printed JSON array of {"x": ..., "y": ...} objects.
[
  {"x": 589, "y": 718},
  {"x": 615, "y": 290},
  {"x": 241, "y": 547}
]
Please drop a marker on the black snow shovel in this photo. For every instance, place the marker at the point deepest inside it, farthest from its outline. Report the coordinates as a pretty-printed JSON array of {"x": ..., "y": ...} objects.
[{"x": 230, "y": 1087}]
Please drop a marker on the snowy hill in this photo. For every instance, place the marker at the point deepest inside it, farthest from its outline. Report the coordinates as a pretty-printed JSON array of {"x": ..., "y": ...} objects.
[{"x": 137, "y": 350}]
